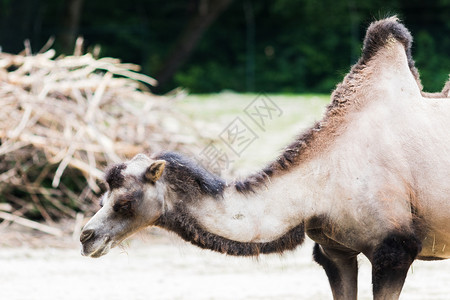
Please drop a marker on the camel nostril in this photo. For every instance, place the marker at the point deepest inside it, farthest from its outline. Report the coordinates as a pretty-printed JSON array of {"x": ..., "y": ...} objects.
[{"x": 86, "y": 235}]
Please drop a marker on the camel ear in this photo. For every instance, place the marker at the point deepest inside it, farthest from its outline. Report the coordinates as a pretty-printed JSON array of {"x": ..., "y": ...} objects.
[{"x": 154, "y": 171}]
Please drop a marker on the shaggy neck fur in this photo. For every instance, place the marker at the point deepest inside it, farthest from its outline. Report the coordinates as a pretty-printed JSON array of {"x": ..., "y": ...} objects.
[
  {"x": 188, "y": 228},
  {"x": 198, "y": 192}
]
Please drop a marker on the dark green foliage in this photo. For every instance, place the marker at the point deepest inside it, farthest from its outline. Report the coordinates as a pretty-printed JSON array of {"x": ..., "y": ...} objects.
[{"x": 290, "y": 46}]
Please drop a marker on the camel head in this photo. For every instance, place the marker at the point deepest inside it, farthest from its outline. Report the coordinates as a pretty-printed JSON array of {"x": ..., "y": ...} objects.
[{"x": 134, "y": 200}]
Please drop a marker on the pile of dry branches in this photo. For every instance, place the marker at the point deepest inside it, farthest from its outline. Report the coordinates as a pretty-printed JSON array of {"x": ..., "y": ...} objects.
[{"x": 62, "y": 120}]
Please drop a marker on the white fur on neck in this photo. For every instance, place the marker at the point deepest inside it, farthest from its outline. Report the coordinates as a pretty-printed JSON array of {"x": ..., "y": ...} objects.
[{"x": 263, "y": 216}]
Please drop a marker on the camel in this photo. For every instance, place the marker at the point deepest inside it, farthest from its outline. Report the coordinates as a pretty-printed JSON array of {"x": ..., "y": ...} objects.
[{"x": 371, "y": 178}]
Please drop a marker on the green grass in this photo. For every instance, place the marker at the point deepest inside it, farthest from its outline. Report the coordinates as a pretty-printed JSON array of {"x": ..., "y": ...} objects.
[{"x": 212, "y": 113}]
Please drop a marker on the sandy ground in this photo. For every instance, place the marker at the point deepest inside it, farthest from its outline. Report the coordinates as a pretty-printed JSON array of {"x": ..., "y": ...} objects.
[{"x": 164, "y": 267}]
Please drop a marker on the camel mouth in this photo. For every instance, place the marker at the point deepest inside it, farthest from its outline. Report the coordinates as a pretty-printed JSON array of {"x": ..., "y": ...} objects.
[{"x": 101, "y": 250}]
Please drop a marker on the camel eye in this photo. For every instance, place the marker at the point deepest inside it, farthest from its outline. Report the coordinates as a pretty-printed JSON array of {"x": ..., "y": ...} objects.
[{"x": 123, "y": 206}]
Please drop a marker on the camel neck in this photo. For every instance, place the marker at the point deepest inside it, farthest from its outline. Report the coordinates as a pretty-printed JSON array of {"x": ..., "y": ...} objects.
[
  {"x": 268, "y": 219},
  {"x": 261, "y": 215}
]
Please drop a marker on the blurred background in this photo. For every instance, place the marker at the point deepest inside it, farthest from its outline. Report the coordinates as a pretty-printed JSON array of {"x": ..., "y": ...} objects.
[
  {"x": 78, "y": 93},
  {"x": 206, "y": 46}
]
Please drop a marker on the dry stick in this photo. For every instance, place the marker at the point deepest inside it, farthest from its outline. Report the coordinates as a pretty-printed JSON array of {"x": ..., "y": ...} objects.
[
  {"x": 69, "y": 193},
  {"x": 4, "y": 177},
  {"x": 94, "y": 103},
  {"x": 47, "y": 45},
  {"x": 65, "y": 162},
  {"x": 10, "y": 146},
  {"x": 31, "y": 191},
  {"x": 91, "y": 180},
  {"x": 4, "y": 224},
  {"x": 37, "y": 203},
  {"x": 96, "y": 51},
  {"x": 77, "y": 226},
  {"x": 44, "y": 141},
  {"x": 5, "y": 207},
  {"x": 42, "y": 175},
  {"x": 31, "y": 224},
  {"x": 86, "y": 168},
  {"x": 23, "y": 123},
  {"x": 26, "y": 206},
  {"x": 78, "y": 51},
  {"x": 130, "y": 74},
  {"x": 105, "y": 141},
  {"x": 27, "y": 45},
  {"x": 92, "y": 164},
  {"x": 56, "y": 203},
  {"x": 81, "y": 165}
]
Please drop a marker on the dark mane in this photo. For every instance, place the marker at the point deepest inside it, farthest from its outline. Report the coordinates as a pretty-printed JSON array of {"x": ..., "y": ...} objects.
[
  {"x": 180, "y": 222},
  {"x": 188, "y": 179},
  {"x": 114, "y": 177}
]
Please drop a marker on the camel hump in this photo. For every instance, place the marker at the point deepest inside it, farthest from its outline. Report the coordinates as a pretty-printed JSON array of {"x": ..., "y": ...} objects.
[{"x": 381, "y": 32}]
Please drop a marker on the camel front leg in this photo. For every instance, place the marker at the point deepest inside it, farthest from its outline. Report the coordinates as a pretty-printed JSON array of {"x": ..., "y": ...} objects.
[
  {"x": 341, "y": 268},
  {"x": 390, "y": 265}
]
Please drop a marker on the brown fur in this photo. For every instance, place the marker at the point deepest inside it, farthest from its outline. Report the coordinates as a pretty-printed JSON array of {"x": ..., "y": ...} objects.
[{"x": 316, "y": 139}]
